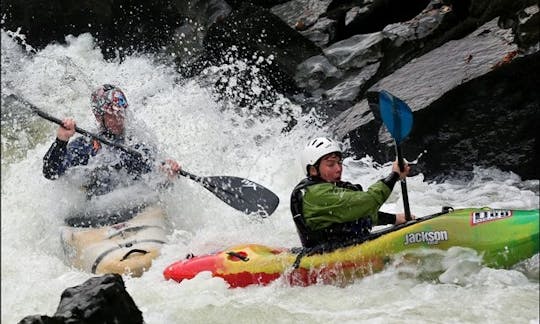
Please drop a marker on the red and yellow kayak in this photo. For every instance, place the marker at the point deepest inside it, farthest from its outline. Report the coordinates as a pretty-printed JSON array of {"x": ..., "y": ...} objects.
[{"x": 502, "y": 237}]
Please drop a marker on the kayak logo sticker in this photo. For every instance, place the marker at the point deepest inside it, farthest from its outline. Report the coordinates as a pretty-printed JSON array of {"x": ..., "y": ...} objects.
[
  {"x": 432, "y": 237},
  {"x": 248, "y": 184},
  {"x": 480, "y": 217}
]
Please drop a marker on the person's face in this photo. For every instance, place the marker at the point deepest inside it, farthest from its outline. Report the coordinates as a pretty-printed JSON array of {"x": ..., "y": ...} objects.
[
  {"x": 113, "y": 120},
  {"x": 330, "y": 168}
]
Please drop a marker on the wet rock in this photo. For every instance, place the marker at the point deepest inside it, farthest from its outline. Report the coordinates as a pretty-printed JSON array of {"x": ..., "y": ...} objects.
[
  {"x": 322, "y": 33},
  {"x": 460, "y": 131},
  {"x": 257, "y": 33},
  {"x": 371, "y": 16},
  {"x": 98, "y": 300},
  {"x": 307, "y": 17},
  {"x": 41, "y": 319},
  {"x": 327, "y": 55},
  {"x": 356, "y": 51},
  {"x": 120, "y": 27},
  {"x": 186, "y": 45},
  {"x": 344, "y": 68},
  {"x": 313, "y": 72},
  {"x": 525, "y": 26},
  {"x": 350, "y": 86},
  {"x": 489, "y": 121},
  {"x": 259, "y": 3},
  {"x": 304, "y": 12}
]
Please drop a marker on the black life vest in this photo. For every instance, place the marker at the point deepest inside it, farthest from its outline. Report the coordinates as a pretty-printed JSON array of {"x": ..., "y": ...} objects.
[{"x": 338, "y": 233}]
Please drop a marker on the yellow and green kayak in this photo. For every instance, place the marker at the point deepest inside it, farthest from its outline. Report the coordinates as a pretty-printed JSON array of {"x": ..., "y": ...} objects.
[{"x": 503, "y": 237}]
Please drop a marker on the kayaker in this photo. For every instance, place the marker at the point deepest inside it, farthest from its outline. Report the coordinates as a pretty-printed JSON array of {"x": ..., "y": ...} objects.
[
  {"x": 329, "y": 211},
  {"x": 105, "y": 167}
]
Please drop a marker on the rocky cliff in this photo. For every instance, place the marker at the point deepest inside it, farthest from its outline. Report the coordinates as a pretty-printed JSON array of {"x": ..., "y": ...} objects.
[{"x": 468, "y": 69}]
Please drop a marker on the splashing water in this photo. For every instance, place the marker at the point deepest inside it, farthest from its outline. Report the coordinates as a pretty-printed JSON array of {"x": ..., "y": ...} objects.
[{"x": 211, "y": 137}]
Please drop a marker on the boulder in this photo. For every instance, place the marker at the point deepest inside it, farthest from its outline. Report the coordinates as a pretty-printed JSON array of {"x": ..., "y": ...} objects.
[{"x": 101, "y": 299}]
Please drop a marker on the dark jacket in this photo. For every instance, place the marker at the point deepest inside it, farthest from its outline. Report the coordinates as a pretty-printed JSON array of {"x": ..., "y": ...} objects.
[{"x": 62, "y": 156}]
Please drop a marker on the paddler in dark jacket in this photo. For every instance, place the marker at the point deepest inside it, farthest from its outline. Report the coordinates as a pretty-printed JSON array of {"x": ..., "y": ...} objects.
[
  {"x": 109, "y": 105},
  {"x": 329, "y": 211}
]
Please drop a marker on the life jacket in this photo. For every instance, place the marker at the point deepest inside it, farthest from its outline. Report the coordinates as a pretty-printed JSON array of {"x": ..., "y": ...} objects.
[
  {"x": 101, "y": 179},
  {"x": 335, "y": 234}
]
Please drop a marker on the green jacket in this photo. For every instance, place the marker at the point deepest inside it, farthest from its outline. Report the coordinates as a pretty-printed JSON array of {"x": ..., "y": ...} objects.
[{"x": 325, "y": 204}]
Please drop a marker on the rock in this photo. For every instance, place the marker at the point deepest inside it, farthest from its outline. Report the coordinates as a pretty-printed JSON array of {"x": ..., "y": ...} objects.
[
  {"x": 119, "y": 26},
  {"x": 356, "y": 51},
  {"x": 307, "y": 17},
  {"x": 327, "y": 55},
  {"x": 322, "y": 33},
  {"x": 428, "y": 80},
  {"x": 304, "y": 12},
  {"x": 525, "y": 27},
  {"x": 490, "y": 121},
  {"x": 372, "y": 16},
  {"x": 41, "y": 319},
  {"x": 98, "y": 300},
  {"x": 257, "y": 33}
]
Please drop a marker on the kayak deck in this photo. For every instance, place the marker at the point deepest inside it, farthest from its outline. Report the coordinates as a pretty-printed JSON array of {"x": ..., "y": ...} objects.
[{"x": 502, "y": 237}]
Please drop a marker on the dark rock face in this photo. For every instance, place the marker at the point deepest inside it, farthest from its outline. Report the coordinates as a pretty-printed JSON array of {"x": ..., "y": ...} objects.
[
  {"x": 119, "y": 26},
  {"x": 447, "y": 59},
  {"x": 458, "y": 122},
  {"x": 356, "y": 18},
  {"x": 491, "y": 120},
  {"x": 41, "y": 319},
  {"x": 98, "y": 300},
  {"x": 263, "y": 35}
]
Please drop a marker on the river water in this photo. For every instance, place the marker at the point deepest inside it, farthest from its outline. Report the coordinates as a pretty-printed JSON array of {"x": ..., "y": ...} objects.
[{"x": 210, "y": 137}]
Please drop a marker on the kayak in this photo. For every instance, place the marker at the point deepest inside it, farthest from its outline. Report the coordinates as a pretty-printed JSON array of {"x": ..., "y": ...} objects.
[
  {"x": 503, "y": 237},
  {"x": 123, "y": 242}
]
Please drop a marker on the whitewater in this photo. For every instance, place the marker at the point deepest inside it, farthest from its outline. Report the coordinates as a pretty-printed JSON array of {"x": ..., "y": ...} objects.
[{"x": 209, "y": 136}]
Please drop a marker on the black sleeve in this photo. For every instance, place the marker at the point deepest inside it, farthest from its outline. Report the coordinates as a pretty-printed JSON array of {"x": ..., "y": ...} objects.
[
  {"x": 52, "y": 161},
  {"x": 391, "y": 180},
  {"x": 386, "y": 218}
]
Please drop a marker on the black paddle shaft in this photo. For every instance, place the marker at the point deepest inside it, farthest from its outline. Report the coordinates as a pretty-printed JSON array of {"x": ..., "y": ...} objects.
[
  {"x": 239, "y": 193},
  {"x": 403, "y": 182},
  {"x": 79, "y": 130}
]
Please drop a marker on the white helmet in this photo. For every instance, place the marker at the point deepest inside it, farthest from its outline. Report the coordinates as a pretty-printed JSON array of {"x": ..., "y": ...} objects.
[{"x": 316, "y": 149}]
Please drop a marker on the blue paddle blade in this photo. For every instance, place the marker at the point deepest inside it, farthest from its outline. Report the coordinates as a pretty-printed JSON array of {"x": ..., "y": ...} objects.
[{"x": 396, "y": 115}]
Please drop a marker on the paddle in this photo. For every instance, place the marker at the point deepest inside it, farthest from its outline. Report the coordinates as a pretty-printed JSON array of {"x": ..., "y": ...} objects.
[
  {"x": 398, "y": 118},
  {"x": 239, "y": 193}
]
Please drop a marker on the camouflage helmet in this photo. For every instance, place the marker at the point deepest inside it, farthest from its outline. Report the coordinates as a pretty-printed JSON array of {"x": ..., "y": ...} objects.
[{"x": 108, "y": 98}]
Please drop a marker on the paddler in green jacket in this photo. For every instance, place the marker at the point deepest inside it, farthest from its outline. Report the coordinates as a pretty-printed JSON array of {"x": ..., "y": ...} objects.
[{"x": 329, "y": 211}]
